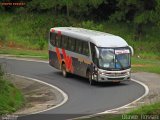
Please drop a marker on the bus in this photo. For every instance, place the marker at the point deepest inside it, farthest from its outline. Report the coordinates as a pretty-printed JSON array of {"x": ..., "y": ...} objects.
[{"x": 95, "y": 55}]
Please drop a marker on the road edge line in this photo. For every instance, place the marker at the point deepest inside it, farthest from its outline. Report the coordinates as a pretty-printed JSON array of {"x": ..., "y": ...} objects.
[
  {"x": 145, "y": 94},
  {"x": 96, "y": 114},
  {"x": 115, "y": 109},
  {"x": 42, "y": 82}
]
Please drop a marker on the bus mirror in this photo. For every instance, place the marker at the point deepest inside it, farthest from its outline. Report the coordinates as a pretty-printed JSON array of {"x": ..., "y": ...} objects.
[
  {"x": 97, "y": 52},
  {"x": 132, "y": 51}
]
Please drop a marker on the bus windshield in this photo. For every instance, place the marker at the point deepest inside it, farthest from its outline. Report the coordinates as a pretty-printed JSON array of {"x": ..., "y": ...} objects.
[{"x": 114, "y": 59}]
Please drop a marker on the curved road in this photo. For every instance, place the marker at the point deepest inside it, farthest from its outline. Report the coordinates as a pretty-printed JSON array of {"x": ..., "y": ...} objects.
[{"x": 83, "y": 98}]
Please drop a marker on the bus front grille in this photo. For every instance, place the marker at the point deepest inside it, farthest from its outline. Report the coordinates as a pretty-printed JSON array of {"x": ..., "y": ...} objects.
[{"x": 116, "y": 78}]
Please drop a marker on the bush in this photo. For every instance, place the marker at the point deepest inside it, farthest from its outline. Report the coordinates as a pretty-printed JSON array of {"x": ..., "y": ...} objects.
[
  {"x": 11, "y": 98},
  {"x": 91, "y": 25},
  {"x": 2, "y": 40},
  {"x": 41, "y": 44}
]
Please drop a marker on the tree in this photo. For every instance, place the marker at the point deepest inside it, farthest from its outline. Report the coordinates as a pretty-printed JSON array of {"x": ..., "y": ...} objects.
[
  {"x": 138, "y": 12},
  {"x": 40, "y": 5},
  {"x": 68, "y": 4}
]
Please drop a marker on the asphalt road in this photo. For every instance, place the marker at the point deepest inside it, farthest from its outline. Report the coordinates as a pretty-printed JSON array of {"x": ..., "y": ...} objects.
[{"x": 83, "y": 98}]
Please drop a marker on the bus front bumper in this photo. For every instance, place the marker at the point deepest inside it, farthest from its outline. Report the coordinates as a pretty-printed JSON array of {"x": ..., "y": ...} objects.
[
  {"x": 113, "y": 77},
  {"x": 102, "y": 78}
]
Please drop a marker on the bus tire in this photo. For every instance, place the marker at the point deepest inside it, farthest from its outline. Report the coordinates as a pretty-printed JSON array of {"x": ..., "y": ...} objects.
[{"x": 64, "y": 72}]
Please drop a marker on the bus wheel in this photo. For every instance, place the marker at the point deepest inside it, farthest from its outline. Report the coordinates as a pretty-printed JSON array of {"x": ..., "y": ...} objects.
[{"x": 64, "y": 72}]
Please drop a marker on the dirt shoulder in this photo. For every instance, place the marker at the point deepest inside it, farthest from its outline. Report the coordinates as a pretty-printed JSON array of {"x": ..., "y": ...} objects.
[{"x": 38, "y": 96}]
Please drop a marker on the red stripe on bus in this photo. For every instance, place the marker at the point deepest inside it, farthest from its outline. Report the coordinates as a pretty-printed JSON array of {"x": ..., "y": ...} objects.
[
  {"x": 58, "y": 55},
  {"x": 68, "y": 61},
  {"x": 59, "y": 33},
  {"x": 64, "y": 54},
  {"x": 52, "y": 30}
]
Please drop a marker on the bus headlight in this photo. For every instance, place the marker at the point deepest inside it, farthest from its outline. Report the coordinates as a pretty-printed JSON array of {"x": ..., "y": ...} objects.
[
  {"x": 96, "y": 69},
  {"x": 128, "y": 73},
  {"x": 101, "y": 73}
]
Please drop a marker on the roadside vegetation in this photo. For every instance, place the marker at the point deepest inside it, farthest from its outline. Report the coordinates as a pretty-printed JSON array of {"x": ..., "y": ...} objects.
[
  {"x": 24, "y": 32},
  {"x": 31, "y": 31},
  {"x": 11, "y": 98},
  {"x": 144, "y": 112},
  {"x": 27, "y": 36},
  {"x": 145, "y": 65}
]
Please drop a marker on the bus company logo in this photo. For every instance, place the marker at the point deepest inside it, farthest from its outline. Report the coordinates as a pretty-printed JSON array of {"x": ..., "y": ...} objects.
[{"x": 67, "y": 59}]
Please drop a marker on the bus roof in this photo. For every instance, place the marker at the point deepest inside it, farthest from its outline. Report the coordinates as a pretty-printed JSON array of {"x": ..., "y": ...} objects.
[{"x": 100, "y": 39}]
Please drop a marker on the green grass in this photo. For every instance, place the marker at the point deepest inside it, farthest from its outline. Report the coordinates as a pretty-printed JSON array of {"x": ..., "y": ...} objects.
[
  {"x": 30, "y": 31},
  {"x": 39, "y": 54},
  {"x": 152, "y": 109},
  {"x": 145, "y": 65},
  {"x": 11, "y": 98},
  {"x": 27, "y": 36}
]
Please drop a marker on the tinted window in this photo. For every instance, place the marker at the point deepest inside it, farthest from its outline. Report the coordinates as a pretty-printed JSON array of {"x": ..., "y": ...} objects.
[
  {"x": 58, "y": 40},
  {"x": 64, "y": 42},
  {"x": 52, "y": 38},
  {"x": 79, "y": 46},
  {"x": 72, "y": 44},
  {"x": 69, "y": 44},
  {"x": 85, "y": 48}
]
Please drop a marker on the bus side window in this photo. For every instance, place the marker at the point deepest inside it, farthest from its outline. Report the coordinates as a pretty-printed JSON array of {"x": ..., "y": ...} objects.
[
  {"x": 69, "y": 44},
  {"x": 58, "y": 40},
  {"x": 85, "y": 49},
  {"x": 52, "y": 38},
  {"x": 78, "y": 46},
  {"x": 73, "y": 44},
  {"x": 64, "y": 42}
]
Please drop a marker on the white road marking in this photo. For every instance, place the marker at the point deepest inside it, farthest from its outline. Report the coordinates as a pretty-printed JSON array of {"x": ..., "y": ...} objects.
[
  {"x": 129, "y": 106},
  {"x": 145, "y": 94},
  {"x": 124, "y": 106},
  {"x": 107, "y": 111},
  {"x": 63, "y": 93}
]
